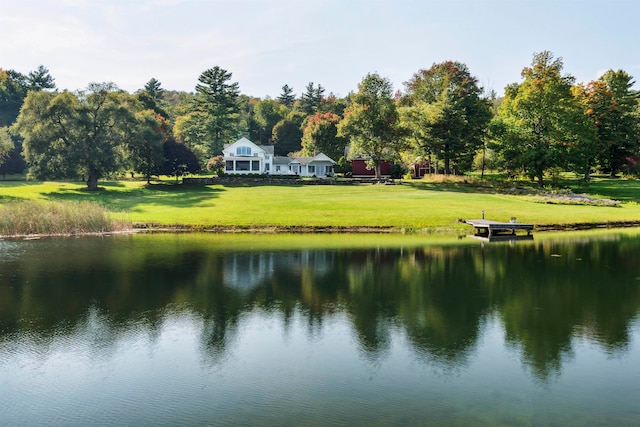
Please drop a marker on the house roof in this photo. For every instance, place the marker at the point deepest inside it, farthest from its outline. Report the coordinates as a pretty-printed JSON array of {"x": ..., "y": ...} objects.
[
  {"x": 321, "y": 157},
  {"x": 281, "y": 160},
  {"x": 308, "y": 160},
  {"x": 268, "y": 149}
]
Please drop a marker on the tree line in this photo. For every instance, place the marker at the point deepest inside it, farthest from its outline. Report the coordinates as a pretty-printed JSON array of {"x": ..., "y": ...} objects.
[{"x": 443, "y": 118}]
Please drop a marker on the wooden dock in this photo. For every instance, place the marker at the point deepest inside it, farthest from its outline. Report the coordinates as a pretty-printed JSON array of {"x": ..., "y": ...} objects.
[{"x": 485, "y": 227}]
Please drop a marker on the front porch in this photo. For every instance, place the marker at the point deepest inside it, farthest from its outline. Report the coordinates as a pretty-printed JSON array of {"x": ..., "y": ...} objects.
[{"x": 243, "y": 165}]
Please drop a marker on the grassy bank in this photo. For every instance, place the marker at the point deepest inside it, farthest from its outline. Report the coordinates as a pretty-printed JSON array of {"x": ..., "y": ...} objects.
[
  {"x": 29, "y": 217},
  {"x": 414, "y": 205}
]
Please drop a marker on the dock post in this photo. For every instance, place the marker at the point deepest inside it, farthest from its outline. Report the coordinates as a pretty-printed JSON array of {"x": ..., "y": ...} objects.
[{"x": 483, "y": 214}]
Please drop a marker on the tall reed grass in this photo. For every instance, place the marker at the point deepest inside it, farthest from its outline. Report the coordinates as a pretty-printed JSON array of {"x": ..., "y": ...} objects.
[{"x": 29, "y": 217}]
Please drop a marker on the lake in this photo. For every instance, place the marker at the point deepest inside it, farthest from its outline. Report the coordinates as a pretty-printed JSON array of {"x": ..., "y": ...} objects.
[{"x": 205, "y": 329}]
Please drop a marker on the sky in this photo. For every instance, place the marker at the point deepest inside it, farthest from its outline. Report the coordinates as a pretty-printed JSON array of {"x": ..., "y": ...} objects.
[{"x": 266, "y": 44}]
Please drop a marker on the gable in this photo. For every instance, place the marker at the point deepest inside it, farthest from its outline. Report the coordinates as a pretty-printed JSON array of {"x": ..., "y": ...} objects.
[
  {"x": 321, "y": 157},
  {"x": 232, "y": 149}
]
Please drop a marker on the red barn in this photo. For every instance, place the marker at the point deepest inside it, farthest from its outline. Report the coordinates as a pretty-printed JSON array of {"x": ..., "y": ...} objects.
[
  {"x": 421, "y": 167},
  {"x": 360, "y": 169}
]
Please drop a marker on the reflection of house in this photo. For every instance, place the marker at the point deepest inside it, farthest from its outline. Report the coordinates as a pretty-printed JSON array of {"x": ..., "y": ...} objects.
[
  {"x": 246, "y": 271},
  {"x": 245, "y": 157}
]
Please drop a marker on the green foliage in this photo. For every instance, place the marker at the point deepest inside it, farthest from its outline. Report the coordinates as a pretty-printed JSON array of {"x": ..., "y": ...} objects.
[
  {"x": 6, "y": 144},
  {"x": 154, "y": 89},
  {"x": 287, "y": 97},
  {"x": 371, "y": 122},
  {"x": 333, "y": 104},
  {"x": 67, "y": 135},
  {"x": 343, "y": 166},
  {"x": 150, "y": 103},
  {"x": 145, "y": 147},
  {"x": 176, "y": 104},
  {"x": 40, "y": 79},
  {"x": 309, "y": 102},
  {"x": 217, "y": 103},
  {"x": 14, "y": 87},
  {"x": 320, "y": 136},
  {"x": 539, "y": 119},
  {"x": 13, "y": 90},
  {"x": 267, "y": 114},
  {"x": 287, "y": 134},
  {"x": 447, "y": 116},
  {"x": 582, "y": 147},
  {"x": 611, "y": 105}
]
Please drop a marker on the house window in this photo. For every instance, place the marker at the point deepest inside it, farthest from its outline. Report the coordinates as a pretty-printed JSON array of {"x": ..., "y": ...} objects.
[
  {"x": 242, "y": 165},
  {"x": 255, "y": 165},
  {"x": 243, "y": 151},
  {"x": 328, "y": 170},
  {"x": 312, "y": 169},
  {"x": 266, "y": 167},
  {"x": 277, "y": 168},
  {"x": 228, "y": 165}
]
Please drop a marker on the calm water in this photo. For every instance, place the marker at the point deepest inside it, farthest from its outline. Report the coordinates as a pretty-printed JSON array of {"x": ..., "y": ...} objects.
[{"x": 261, "y": 330}]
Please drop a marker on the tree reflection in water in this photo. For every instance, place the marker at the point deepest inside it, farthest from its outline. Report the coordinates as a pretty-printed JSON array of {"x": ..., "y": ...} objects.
[{"x": 546, "y": 294}]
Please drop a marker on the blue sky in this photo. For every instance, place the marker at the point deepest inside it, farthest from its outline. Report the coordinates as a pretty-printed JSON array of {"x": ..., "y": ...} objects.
[{"x": 267, "y": 43}]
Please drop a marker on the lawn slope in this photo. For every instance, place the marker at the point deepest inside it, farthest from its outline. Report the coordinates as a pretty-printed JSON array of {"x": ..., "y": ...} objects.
[{"x": 415, "y": 205}]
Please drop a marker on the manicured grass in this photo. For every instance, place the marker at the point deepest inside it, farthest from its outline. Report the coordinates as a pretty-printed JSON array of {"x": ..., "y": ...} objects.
[{"x": 414, "y": 205}]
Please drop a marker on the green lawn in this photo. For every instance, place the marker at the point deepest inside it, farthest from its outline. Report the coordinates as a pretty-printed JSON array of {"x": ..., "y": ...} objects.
[{"x": 412, "y": 205}]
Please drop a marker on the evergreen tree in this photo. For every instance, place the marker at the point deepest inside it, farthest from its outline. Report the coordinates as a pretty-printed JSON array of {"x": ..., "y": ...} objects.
[
  {"x": 310, "y": 100},
  {"x": 287, "y": 97},
  {"x": 217, "y": 99},
  {"x": 154, "y": 89},
  {"x": 41, "y": 79}
]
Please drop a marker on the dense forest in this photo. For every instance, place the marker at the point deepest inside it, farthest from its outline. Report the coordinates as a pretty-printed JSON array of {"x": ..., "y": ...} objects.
[{"x": 543, "y": 124}]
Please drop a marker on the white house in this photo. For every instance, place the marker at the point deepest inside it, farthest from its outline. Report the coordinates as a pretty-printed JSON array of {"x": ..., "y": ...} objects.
[{"x": 245, "y": 157}]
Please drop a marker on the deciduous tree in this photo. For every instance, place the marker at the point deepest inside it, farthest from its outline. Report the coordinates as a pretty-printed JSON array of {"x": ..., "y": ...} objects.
[
  {"x": 267, "y": 114},
  {"x": 371, "y": 122},
  {"x": 450, "y": 116},
  {"x": 145, "y": 144},
  {"x": 287, "y": 134},
  {"x": 6, "y": 144},
  {"x": 321, "y": 136},
  {"x": 13, "y": 90},
  {"x": 536, "y": 123},
  {"x": 11, "y": 160},
  {"x": 66, "y": 135},
  {"x": 178, "y": 159}
]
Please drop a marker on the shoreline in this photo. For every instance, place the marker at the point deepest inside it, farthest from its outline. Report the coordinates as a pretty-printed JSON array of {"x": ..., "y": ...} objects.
[{"x": 301, "y": 229}]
